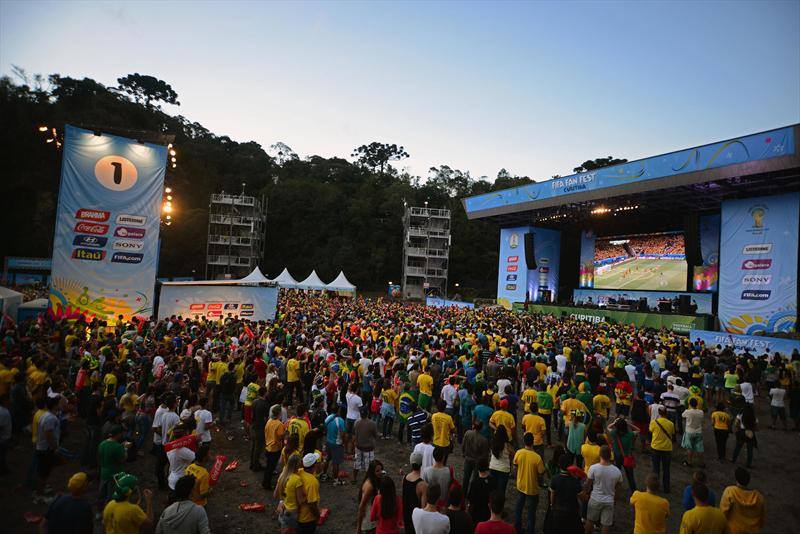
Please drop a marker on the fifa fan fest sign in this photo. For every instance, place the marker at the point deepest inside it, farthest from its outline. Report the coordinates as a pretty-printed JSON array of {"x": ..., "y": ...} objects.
[
  {"x": 758, "y": 259},
  {"x": 105, "y": 251}
]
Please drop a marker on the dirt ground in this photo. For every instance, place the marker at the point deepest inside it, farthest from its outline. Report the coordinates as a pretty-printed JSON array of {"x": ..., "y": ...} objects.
[{"x": 775, "y": 473}]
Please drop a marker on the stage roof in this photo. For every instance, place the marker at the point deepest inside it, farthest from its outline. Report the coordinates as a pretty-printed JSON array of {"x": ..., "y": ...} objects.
[{"x": 673, "y": 184}]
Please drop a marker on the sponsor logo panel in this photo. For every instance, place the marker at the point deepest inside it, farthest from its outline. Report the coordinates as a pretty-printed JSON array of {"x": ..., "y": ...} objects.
[
  {"x": 215, "y": 306},
  {"x": 88, "y": 254},
  {"x": 92, "y": 215},
  {"x": 756, "y": 294},
  {"x": 753, "y": 265},
  {"x": 127, "y": 231},
  {"x": 513, "y": 259},
  {"x": 91, "y": 228},
  {"x": 544, "y": 269},
  {"x": 127, "y": 257},
  {"x": 246, "y": 313},
  {"x": 511, "y": 287},
  {"x": 511, "y": 278},
  {"x": 231, "y": 306},
  {"x": 134, "y": 220},
  {"x": 247, "y": 306},
  {"x": 757, "y": 248},
  {"x": 213, "y": 313},
  {"x": 200, "y": 306},
  {"x": 757, "y": 279},
  {"x": 511, "y": 268},
  {"x": 124, "y": 244},
  {"x": 89, "y": 241}
]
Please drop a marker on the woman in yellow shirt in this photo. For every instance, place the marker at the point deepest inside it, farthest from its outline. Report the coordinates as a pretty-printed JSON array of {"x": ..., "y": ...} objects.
[
  {"x": 286, "y": 489},
  {"x": 722, "y": 429}
]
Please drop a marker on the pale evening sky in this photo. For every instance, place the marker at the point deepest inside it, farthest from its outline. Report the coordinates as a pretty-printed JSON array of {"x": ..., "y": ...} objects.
[{"x": 533, "y": 87}]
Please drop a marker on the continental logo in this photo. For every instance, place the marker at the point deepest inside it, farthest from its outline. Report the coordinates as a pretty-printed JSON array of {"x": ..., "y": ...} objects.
[
  {"x": 92, "y": 215},
  {"x": 126, "y": 257},
  {"x": 127, "y": 231},
  {"x": 89, "y": 241},
  {"x": 127, "y": 245},
  {"x": 757, "y": 279},
  {"x": 757, "y": 248},
  {"x": 88, "y": 254},
  {"x": 759, "y": 264},
  {"x": 135, "y": 220},
  {"x": 91, "y": 228}
]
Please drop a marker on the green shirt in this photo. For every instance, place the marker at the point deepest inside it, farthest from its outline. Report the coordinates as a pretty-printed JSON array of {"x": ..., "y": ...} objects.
[{"x": 111, "y": 455}]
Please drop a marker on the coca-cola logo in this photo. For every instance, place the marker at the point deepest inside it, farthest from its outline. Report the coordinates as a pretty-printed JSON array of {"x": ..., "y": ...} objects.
[
  {"x": 92, "y": 215},
  {"x": 91, "y": 228}
]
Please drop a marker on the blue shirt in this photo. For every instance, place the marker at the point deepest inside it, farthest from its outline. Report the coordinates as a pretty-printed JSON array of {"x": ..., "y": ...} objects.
[
  {"x": 335, "y": 427},
  {"x": 688, "y": 500},
  {"x": 483, "y": 413}
]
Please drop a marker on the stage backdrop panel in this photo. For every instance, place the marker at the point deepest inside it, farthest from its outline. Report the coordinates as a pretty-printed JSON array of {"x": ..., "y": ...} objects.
[
  {"x": 514, "y": 278},
  {"x": 214, "y": 302},
  {"x": 758, "y": 276},
  {"x": 547, "y": 247},
  {"x": 586, "y": 278},
  {"x": 105, "y": 251},
  {"x": 706, "y": 275}
]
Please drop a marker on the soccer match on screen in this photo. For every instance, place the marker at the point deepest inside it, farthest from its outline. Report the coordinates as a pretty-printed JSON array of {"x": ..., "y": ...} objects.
[{"x": 399, "y": 267}]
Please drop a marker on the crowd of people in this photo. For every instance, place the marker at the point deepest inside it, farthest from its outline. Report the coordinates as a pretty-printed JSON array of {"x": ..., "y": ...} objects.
[
  {"x": 634, "y": 246},
  {"x": 566, "y": 410}
]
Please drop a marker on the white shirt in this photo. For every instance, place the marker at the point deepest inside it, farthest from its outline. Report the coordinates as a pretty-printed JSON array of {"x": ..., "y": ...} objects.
[
  {"x": 203, "y": 417},
  {"x": 654, "y": 408},
  {"x": 158, "y": 361},
  {"x": 381, "y": 363},
  {"x": 604, "y": 482},
  {"x": 561, "y": 363},
  {"x": 777, "y": 395},
  {"x": 430, "y": 522},
  {"x": 179, "y": 460},
  {"x": 354, "y": 404},
  {"x": 631, "y": 370},
  {"x": 501, "y": 386},
  {"x": 364, "y": 363},
  {"x": 449, "y": 394},
  {"x": 426, "y": 450},
  {"x": 160, "y": 411},
  {"x": 681, "y": 392},
  {"x": 168, "y": 421},
  {"x": 694, "y": 421},
  {"x": 747, "y": 392}
]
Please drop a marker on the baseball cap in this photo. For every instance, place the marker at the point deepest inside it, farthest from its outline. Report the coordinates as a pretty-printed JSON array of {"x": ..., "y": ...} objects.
[
  {"x": 310, "y": 459},
  {"x": 77, "y": 481},
  {"x": 415, "y": 458}
]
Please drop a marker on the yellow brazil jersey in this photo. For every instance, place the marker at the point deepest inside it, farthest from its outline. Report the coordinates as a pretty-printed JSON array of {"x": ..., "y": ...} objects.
[
  {"x": 528, "y": 398},
  {"x": 502, "y": 417},
  {"x": 292, "y": 370},
  {"x": 721, "y": 420},
  {"x": 311, "y": 487},
  {"x": 535, "y": 425},
  {"x": 443, "y": 425},
  {"x": 529, "y": 469},
  {"x": 601, "y": 404},
  {"x": 201, "y": 484},
  {"x": 425, "y": 384}
]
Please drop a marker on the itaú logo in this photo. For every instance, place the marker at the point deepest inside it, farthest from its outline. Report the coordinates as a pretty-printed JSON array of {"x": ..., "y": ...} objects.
[{"x": 87, "y": 254}]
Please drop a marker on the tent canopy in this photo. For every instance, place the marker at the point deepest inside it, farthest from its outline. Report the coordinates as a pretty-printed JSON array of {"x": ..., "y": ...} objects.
[
  {"x": 254, "y": 278},
  {"x": 341, "y": 283},
  {"x": 312, "y": 282},
  {"x": 285, "y": 280}
]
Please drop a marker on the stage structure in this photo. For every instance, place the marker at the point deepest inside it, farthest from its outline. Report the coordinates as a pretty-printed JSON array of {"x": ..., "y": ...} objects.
[
  {"x": 237, "y": 226},
  {"x": 709, "y": 232},
  {"x": 426, "y": 248}
]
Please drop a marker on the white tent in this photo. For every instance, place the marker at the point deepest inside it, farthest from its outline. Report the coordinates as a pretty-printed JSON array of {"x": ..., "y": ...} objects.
[
  {"x": 10, "y": 300},
  {"x": 285, "y": 280},
  {"x": 256, "y": 277},
  {"x": 312, "y": 282},
  {"x": 31, "y": 309},
  {"x": 341, "y": 284}
]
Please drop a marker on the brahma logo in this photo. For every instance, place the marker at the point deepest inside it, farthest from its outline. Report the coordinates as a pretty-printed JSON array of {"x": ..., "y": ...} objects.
[
  {"x": 91, "y": 228},
  {"x": 511, "y": 287},
  {"x": 215, "y": 306},
  {"x": 92, "y": 215},
  {"x": 194, "y": 307},
  {"x": 88, "y": 254},
  {"x": 511, "y": 278},
  {"x": 754, "y": 265},
  {"x": 136, "y": 220},
  {"x": 756, "y": 294},
  {"x": 231, "y": 306},
  {"x": 762, "y": 248},
  {"x": 757, "y": 279},
  {"x": 126, "y": 257},
  {"x": 247, "y": 306},
  {"x": 511, "y": 268},
  {"x": 126, "y": 231},
  {"x": 513, "y": 259},
  {"x": 131, "y": 246},
  {"x": 89, "y": 241}
]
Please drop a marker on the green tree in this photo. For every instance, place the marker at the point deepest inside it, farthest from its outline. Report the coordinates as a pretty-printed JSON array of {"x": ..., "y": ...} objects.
[
  {"x": 146, "y": 89},
  {"x": 376, "y": 156},
  {"x": 598, "y": 163}
]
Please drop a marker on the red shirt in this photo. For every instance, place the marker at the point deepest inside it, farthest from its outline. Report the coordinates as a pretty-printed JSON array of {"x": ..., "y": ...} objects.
[
  {"x": 494, "y": 527},
  {"x": 389, "y": 525}
]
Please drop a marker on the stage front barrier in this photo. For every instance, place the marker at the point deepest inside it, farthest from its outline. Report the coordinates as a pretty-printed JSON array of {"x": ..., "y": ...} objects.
[{"x": 682, "y": 324}]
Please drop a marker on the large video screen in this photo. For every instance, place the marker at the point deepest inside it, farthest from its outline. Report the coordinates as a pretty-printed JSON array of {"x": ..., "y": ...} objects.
[{"x": 645, "y": 261}]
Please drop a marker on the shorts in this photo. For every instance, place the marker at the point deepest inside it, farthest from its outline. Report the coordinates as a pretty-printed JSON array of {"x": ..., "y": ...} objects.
[
  {"x": 778, "y": 412},
  {"x": 387, "y": 410},
  {"x": 349, "y": 424},
  {"x": 708, "y": 381},
  {"x": 287, "y": 519},
  {"x": 44, "y": 463},
  {"x": 248, "y": 414},
  {"x": 719, "y": 382},
  {"x": 336, "y": 453},
  {"x": 361, "y": 459},
  {"x": 600, "y": 512},
  {"x": 692, "y": 441}
]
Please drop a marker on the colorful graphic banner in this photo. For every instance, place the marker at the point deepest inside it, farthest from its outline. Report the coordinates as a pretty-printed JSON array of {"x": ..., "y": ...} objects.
[
  {"x": 771, "y": 144},
  {"x": 681, "y": 324},
  {"x": 706, "y": 275},
  {"x": 703, "y": 301},
  {"x": 758, "y": 274},
  {"x": 586, "y": 276},
  {"x": 105, "y": 251},
  {"x": 756, "y": 345},
  {"x": 445, "y": 303},
  {"x": 217, "y": 302},
  {"x": 514, "y": 281}
]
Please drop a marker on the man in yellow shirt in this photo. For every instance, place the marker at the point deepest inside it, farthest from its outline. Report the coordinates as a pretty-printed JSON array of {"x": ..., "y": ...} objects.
[
  {"x": 703, "y": 518},
  {"x": 293, "y": 380},
  {"x": 743, "y": 508},
  {"x": 425, "y": 385},
  {"x": 273, "y": 443},
  {"x": 650, "y": 510},
  {"x": 443, "y": 428},
  {"x": 601, "y": 403},
  {"x": 530, "y": 470},
  {"x": 533, "y": 423},
  {"x": 7, "y": 375},
  {"x": 662, "y": 431},
  {"x": 501, "y": 417},
  {"x": 202, "y": 487},
  {"x": 121, "y": 516}
]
